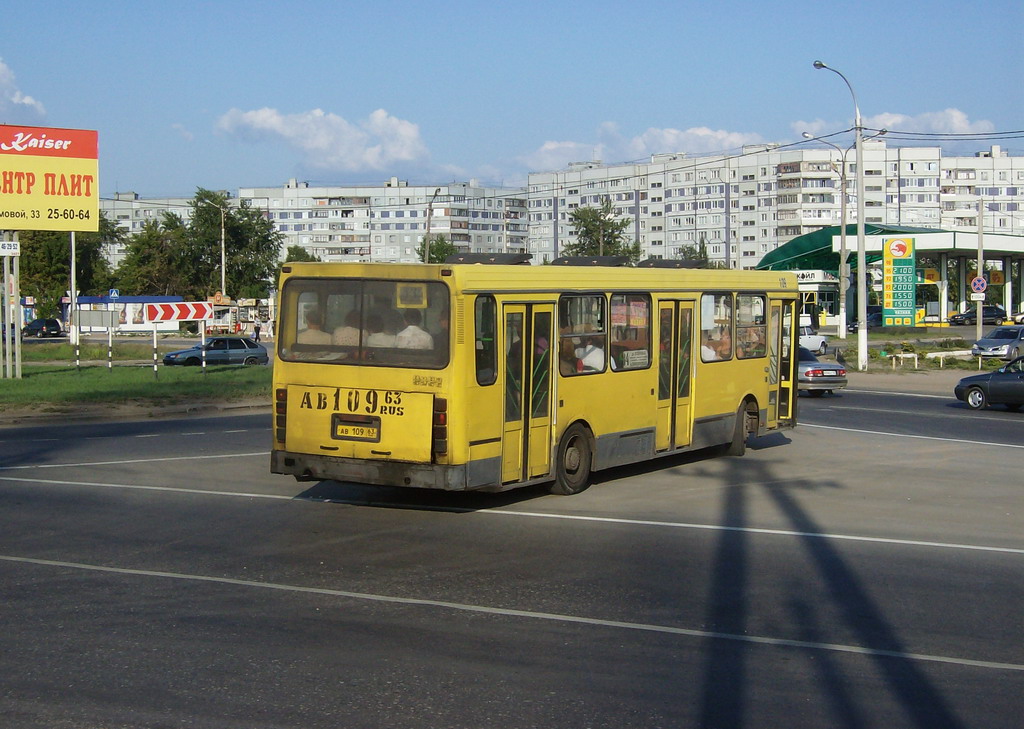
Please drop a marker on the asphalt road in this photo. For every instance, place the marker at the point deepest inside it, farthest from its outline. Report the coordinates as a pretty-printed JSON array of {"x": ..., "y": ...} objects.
[{"x": 864, "y": 570}]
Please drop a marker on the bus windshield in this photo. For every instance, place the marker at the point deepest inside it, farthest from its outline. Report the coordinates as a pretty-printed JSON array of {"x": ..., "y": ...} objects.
[{"x": 365, "y": 322}]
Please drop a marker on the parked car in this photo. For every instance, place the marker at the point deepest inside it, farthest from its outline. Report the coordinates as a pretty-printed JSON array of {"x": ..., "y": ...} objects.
[
  {"x": 1005, "y": 342},
  {"x": 220, "y": 350},
  {"x": 989, "y": 315},
  {"x": 874, "y": 321},
  {"x": 1004, "y": 386},
  {"x": 812, "y": 340},
  {"x": 42, "y": 328},
  {"x": 815, "y": 377}
]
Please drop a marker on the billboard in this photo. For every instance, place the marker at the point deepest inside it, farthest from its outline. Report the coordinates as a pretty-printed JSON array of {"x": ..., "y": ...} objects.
[
  {"x": 49, "y": 179},
  {"x": 899, "y": 284}
]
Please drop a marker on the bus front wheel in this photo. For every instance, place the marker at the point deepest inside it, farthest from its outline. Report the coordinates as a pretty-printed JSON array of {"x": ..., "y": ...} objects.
[{"x": 572, "y": 462}]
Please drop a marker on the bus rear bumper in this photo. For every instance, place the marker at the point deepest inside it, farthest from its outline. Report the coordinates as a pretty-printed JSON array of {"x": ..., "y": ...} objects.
[{"x": 306, "y": 467}]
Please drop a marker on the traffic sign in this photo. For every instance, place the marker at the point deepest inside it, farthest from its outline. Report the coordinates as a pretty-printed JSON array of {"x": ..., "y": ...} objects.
[
  {"x": 978, "y": 285},
  {"x": 114, "y": 294},
  {"x": 977, "y": 297},
  {"x": 179, "y": 311}
]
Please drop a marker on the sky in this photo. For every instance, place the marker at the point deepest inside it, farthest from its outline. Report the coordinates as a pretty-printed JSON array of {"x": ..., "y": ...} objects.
[{"x": 223, "y": 95}]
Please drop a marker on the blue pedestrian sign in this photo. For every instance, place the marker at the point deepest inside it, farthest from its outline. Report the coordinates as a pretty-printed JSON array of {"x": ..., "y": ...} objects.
[{"x": 114, "y": 293}]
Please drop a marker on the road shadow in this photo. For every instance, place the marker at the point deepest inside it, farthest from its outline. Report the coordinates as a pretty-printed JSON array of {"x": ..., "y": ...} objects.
[{"x": 725, "y": 692}]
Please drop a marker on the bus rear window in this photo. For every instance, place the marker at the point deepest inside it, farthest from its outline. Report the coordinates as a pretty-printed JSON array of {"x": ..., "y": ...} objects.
[{"x": 365, "y": 322}]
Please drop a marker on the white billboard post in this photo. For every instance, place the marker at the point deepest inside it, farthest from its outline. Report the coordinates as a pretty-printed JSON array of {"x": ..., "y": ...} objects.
[
  {"x": 10, "y": 312},
  {"x": 99, "y": 319}
]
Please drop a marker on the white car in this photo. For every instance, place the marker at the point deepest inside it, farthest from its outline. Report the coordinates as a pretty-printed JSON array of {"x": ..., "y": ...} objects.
[{"x": 814, "y": 342}]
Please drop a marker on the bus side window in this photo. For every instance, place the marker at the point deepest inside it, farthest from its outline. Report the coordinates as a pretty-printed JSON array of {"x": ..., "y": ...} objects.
[{"x": 484, "y": 326}]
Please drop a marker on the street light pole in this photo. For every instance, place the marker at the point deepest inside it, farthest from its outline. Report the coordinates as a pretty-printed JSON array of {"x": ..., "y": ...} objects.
[
  {"x": 222, "y": 272},
  {"x": 426, "y": 238},
  {"x": 844, "y": 279},
  {"x": 862, "y": 286}
]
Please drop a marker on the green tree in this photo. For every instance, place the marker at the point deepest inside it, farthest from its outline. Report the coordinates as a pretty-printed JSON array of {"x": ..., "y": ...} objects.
[
  {"x": 175, "y": 257},
  {"x": 440, "y": 249},
  {"x": 45, "y": 266},
  {"x": 156, "y": 260},
  {"x": 699, "y": 253},
  {"x": 251, "y": 247},
  {"x": 599, "y": 233},
  {"x": 300, "y": 254}
]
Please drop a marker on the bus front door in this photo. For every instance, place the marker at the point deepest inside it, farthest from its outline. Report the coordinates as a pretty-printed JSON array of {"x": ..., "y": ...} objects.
[
  {"x": 526, "y": 442},
  {"x": 675, "y": 355}
]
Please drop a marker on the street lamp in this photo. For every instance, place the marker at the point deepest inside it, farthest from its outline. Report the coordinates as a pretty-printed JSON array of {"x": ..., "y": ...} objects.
[
  {"x": 426, "y": 238},
  {"x": 222, "y": 278},
  {"x": 844, "y": 267},
  {"x": 862, "y": 285}
]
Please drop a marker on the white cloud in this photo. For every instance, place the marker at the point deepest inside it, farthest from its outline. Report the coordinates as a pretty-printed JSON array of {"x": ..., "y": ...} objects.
[
  {"x": 16, "y": 107},
  {"x": 185, "y": 133},
  {"x": 948, "y": 121},
  {"x": 612, "y": 146},
  {"x": 328, "y": 141}
]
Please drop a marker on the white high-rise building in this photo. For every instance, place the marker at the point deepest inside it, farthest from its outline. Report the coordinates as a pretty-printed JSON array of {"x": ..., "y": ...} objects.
[
  {"x": 742, "y": 206},
  {"x": 388, "y": 222}
]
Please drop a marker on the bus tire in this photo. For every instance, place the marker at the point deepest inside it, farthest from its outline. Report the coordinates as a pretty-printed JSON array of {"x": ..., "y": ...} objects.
[
  {"x": 572, "y": 461},
  {"x": 738, "y": 446}
]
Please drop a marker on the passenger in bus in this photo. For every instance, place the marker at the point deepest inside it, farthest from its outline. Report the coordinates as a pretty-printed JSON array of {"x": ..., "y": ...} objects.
[
  {"x": 314, "y": 332},
  {"x": 348, "y": 335},
  {"x": 413, "y": 336},
  {"x": 377, "y": 336},
  {"x": 713, "y": 349},
  {"x": 591, "y": 355}
]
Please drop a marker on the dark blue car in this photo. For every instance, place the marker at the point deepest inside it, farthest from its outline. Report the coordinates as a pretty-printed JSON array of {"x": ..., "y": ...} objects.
[
  {"x": 1004, "y": 386},
  {"x": 221, "y": 350}
]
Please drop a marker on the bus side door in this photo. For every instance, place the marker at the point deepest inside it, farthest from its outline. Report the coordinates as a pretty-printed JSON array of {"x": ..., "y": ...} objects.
[
  {"x": 781, "y": 385},
  {"x": 675, "y": 367},
  {"x": 526, "y": 441}
]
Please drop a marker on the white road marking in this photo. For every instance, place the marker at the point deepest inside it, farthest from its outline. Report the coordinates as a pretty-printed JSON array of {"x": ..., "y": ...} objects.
[
  {"x": 962, "y": 441},
  {"x": 902, "y": 394},
  {"x": 539, "y": 515},
  {"x": 527, "y": 614},
  {"x": 133, "y": 460}
]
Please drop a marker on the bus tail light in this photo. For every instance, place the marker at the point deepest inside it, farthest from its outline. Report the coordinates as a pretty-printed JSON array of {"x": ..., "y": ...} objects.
[
  {"x": 439, "y": 430},
  {"x": 280, "y": 413}
]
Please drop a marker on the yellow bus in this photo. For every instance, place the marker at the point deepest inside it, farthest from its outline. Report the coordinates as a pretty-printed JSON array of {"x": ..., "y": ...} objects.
[{"x": 470, "y": 376}]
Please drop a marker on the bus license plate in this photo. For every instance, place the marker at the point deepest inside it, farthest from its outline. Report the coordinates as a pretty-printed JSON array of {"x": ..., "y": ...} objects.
[{"x": 355, "y": 428}]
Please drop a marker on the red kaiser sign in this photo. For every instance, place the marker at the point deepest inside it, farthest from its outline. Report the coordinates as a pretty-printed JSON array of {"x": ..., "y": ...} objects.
[{"x": 180, "y": 311}]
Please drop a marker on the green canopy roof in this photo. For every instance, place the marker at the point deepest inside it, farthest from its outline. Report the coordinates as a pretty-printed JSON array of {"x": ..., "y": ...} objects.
[{"x": 813, "y": 251}]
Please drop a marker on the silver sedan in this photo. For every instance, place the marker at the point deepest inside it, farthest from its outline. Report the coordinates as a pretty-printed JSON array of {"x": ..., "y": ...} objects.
[{"x": 815, "y": 377}]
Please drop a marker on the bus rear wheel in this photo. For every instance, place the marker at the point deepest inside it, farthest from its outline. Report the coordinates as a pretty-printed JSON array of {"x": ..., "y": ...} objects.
[{"x": 572, "y": 462}]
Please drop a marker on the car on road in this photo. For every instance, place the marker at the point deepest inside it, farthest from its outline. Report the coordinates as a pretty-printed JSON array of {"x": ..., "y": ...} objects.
[
  {"x": 42, "y": 328},
  {"x": 812, "y": 340},
  {"x": 1004, "y": 386},
  {"x": 816, "y": 377},
  {"x": 874, "y": 320},
  {"x": 1005, "y": 342},
  {"x": 989, "y": 315},
  {"x": 220, "y": 350}
]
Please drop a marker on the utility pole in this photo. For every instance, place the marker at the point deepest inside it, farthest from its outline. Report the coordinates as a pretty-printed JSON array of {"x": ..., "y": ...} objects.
[{"x": 426, "y": 240}]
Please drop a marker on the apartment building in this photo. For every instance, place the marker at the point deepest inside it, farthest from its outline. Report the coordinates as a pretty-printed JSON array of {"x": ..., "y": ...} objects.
[
  {"x": 388, "y": 222},
  {"x": 738, "y": 207},
  {"x": 742, "y": 206}
]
